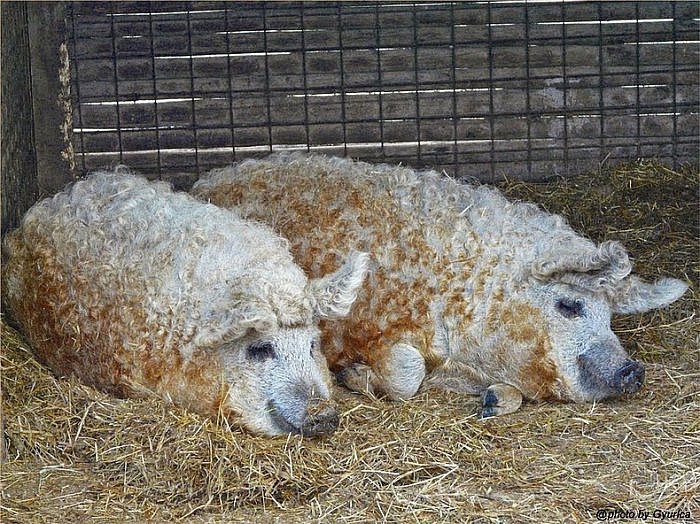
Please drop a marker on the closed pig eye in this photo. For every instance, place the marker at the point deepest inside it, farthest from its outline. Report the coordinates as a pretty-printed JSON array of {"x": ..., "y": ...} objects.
[
  {"x": 569, "y": 308},
  {"x": 260, "y": 351},
  {"x": 313, "y": 347}
]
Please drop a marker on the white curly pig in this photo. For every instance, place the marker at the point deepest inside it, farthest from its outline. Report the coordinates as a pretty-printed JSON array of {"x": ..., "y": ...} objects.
[{"x": 138, "y": 290}]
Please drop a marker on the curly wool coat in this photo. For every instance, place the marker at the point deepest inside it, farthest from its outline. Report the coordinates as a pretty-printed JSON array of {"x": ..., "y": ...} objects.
[
  {"x": 470, "y": 280},
  {"x": 138, "y": 290}
]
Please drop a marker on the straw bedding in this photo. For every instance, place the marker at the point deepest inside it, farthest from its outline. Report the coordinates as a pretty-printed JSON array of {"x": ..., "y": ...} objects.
[{"x": 75, "y": 454}]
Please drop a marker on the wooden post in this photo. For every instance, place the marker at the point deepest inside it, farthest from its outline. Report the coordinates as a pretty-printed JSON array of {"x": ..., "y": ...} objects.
[{"x": 51, "y": 95}]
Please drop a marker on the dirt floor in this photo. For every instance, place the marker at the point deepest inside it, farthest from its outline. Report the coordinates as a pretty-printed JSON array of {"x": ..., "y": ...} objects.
[{"x": 76, "y": 455}]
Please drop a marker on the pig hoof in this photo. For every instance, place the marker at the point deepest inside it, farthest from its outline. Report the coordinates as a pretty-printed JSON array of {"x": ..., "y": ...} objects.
[
  {"x": 500, "y": 399},
  {"x": 489, "y": 400},
  {"x": 397, "y": 377},
  {"x": 357, "y": 377}
]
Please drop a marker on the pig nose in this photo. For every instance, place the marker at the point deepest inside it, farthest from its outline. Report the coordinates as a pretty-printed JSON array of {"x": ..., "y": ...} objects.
[
  {"x": 629, "y": 378},
  {"x": 321, "y": 420}
]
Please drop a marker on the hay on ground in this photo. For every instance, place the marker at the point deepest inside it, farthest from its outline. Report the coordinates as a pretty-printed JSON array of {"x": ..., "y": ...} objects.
[{"x": 75, "y": 454}]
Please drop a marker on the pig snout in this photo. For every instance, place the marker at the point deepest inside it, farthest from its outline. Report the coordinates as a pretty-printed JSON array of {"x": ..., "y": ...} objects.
[
  {"x": 321, "y": 419},
  {"x": 604, "y": 375},
  {"x": 628, "y": 378}
]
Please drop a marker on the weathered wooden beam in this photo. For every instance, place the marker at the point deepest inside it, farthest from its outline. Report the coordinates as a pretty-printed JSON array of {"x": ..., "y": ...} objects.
[{"x": 51, "y": 95}]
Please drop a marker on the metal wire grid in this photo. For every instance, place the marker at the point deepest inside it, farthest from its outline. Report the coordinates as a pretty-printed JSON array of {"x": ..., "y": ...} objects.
[{"x": 185, "y": 86}]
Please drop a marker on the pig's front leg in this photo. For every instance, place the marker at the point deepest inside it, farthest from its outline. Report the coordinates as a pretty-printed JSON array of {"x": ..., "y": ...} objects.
[
  {"x": 397, "y": 375},
  {"x": 500, "y": 399}
]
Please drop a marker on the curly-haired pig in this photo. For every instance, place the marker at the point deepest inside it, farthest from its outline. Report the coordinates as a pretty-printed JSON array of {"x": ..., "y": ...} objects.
[
  {"x": 138, "y": 290},
  {"x": 467, "y": 290}
]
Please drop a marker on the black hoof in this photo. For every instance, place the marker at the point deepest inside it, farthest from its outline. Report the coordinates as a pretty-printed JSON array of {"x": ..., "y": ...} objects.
[
  {"x": 488, "y": 412},
  {"x": 489, "y": 401}
]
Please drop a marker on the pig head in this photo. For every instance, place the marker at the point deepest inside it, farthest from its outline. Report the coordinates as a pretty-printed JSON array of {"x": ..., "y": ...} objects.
[{"x": 550, "y": 337}]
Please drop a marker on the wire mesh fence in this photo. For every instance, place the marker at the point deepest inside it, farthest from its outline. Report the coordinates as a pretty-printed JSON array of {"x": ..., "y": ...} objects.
[{"x": 485, "y": 89}]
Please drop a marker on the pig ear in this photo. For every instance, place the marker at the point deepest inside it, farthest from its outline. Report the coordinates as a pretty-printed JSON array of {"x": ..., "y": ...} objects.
[
  {"x": 235, "y": 322},
  {"x": 334, "y": 294},
  {"x": 589, "y": 267},
  {"x": 633, "y": 295}
]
